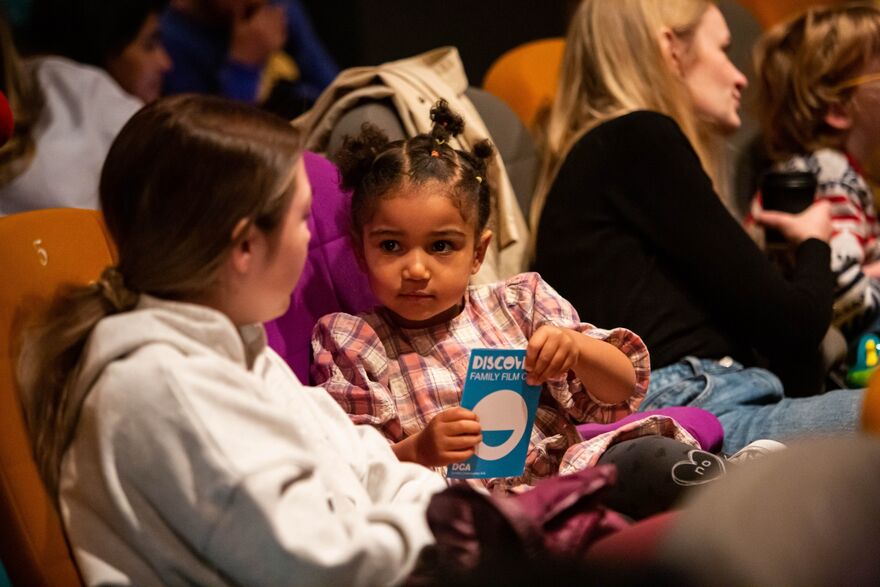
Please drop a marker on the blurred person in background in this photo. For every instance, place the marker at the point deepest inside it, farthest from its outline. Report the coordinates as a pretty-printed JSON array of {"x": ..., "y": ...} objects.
[
  {"x": 255, "y": 51},
  {"x": 94, "y": 64},
  {"x": 120, "y": 37}
]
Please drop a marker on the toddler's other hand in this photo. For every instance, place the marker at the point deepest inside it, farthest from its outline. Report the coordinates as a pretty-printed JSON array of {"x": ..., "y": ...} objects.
[
  {"x": 551, "y": 352},
  {"x": 451, "y": 437}
]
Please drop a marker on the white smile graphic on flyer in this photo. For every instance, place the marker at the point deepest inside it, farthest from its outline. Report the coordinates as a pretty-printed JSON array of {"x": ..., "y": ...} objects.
[{"x": 496, "y": 390}]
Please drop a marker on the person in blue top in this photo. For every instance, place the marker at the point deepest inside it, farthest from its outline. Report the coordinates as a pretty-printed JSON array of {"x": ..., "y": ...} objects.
[{"x": 225, "y": 47}]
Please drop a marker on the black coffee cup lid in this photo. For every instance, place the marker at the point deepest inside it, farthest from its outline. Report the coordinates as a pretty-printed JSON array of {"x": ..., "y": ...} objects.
[{"x": 789, "y": 179}]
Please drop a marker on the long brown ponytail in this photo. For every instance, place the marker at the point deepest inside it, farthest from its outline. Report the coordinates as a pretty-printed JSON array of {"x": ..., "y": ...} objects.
[{"x": 179, "y": 177}]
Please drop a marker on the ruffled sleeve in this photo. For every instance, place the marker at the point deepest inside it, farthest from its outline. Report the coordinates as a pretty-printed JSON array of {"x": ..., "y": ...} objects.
[
  {"x": 350, "y": 362},
  {"x": 534, "y": 303}
]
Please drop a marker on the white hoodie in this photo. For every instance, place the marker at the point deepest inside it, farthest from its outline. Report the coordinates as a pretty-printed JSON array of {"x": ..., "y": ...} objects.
[{"x": 199, "y": 458}]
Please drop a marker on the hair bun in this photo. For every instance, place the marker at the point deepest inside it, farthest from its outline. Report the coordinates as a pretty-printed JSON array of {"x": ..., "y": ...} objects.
[
  {"x": 356, "y": 155},
  {"x": 446, "y": 122},
  {"x": 484, "y": 149}
]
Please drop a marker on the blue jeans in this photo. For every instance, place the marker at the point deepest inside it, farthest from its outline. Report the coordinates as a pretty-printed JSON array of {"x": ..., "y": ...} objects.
[{"x": 750, "y": 402}]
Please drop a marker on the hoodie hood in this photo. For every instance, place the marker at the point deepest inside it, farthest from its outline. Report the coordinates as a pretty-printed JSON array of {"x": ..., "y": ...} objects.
[{"x": 191, "y": 329}]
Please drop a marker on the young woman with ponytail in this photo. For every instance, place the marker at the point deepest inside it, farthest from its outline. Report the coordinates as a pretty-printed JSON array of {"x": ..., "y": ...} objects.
[{"x": 180, "y": 448}]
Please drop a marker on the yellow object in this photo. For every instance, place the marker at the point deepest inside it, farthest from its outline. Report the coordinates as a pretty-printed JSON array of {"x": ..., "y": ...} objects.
[
  {"x": 280, "y": 66},
  {"x": 525, "y": 77},
  {"x": 39, "y": 251}
]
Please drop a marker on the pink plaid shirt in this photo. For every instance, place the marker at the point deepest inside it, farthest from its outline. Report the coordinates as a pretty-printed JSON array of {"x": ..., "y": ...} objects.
[{"x": 397, "y": 379}]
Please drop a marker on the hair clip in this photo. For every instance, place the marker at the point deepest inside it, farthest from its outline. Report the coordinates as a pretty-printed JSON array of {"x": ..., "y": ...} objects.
[
  {"x": 435, "y": 153},
  {"x": 857, "y": 81},
  {"x": 479, "y": 179}
]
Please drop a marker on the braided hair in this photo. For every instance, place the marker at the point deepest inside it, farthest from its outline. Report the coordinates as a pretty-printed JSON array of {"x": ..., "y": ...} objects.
[{"x": 374, "y": 167}]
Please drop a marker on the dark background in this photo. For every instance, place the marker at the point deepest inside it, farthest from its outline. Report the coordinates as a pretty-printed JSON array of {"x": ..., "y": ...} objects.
[{"x": 369, "y": 32}]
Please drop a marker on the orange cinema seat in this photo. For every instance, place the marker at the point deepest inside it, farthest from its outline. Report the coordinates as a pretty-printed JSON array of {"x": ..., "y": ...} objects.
[
  {"x": 39, "y": 251},
  {"x": 871, "y": 407},
  {"x": 525, "y": 77}
]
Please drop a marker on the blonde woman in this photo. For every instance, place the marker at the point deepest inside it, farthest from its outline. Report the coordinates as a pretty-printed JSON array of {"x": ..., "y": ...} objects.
[{"x": 631, "y": 230}]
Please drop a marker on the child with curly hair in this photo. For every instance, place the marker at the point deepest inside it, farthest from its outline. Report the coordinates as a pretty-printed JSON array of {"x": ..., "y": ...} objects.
[
  {"x": 819, "y": 86},
  {"x": 420, "y": 216}
]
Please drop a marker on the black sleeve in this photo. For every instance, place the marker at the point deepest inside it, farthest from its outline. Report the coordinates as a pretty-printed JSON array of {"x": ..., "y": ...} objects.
[{"x": 668, "y": 198}]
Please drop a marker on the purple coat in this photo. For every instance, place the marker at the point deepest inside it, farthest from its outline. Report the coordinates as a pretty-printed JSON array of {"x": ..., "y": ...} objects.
[{"x": 332, "y": 280}]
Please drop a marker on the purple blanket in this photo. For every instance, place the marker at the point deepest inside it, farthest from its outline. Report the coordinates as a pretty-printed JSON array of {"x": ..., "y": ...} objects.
[{"x": 702, "y": 425}]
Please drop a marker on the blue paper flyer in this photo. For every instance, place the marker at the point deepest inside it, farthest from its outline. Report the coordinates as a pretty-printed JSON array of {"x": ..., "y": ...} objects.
[{"x": 496, "y": 389}]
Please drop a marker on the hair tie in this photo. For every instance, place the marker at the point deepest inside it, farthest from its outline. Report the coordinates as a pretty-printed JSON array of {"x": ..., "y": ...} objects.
[
  {"x": 112, "y": 287},
  {"x": 857, "y": 81},
  {"x": 479, "y": 179}
]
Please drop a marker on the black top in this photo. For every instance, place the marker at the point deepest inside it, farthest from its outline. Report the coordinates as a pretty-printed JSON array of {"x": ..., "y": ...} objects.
[{"x": 634, "y": 235}]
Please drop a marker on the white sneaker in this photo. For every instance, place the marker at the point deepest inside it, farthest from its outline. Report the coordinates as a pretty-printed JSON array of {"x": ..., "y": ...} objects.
[{"x": 756, "y": 450}]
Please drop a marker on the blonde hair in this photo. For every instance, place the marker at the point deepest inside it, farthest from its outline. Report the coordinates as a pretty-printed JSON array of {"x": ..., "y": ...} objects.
[
  {"x": 180, "y": 176},
  {"x": 801, "y": 65},
  {"x": 25, "y": 100},
  {"x": 613, "y": 64}
]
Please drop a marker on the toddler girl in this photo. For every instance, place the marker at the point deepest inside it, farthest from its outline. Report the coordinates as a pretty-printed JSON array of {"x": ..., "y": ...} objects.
[{"x": 420, "y": 211}]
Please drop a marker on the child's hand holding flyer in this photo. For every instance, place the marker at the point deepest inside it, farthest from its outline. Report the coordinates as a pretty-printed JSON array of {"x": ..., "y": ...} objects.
[{"x": 496, "y": 390}]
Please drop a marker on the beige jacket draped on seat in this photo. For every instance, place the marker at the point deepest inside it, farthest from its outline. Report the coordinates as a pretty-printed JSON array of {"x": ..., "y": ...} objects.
[{"x": 413, "y": 85}]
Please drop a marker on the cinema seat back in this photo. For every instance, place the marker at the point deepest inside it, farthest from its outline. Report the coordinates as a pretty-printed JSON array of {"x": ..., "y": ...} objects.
[{"x": 39, "y": 251}]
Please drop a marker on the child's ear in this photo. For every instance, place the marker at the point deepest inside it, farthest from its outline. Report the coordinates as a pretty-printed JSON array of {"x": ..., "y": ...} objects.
[
  {"x": 480, "y": 250},
  {"x": 838, "y": 117}
]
